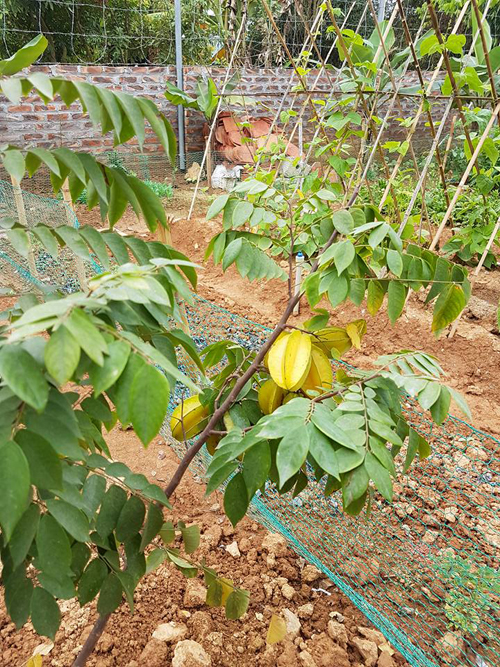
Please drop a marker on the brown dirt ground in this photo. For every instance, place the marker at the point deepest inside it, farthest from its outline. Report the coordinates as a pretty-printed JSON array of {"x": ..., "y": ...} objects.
[{"x": 471, "y": 360}]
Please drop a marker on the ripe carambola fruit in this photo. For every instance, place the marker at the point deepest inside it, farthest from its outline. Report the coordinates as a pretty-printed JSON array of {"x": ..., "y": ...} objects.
[
  {"x": 188, "y": 419},
  {"x": 320, "y": 374},
  {"x": 270, "y": 397},
  {"x": 211, "y": 443},
  {"x": 290, "y": 360}
]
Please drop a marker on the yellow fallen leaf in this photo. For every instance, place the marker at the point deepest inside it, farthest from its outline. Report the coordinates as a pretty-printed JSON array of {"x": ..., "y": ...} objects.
[
  {"x": 277, "y": 630},
  {"x": 35, "y": 661}
]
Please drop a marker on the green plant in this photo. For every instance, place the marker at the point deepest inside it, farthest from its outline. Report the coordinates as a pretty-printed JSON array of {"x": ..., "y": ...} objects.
[
  {"x": 469, "y": 242},
  {"x": 76, "y": 523},
  {"x": 471, "y": 589},
  {"x": 162, "y": 190}
]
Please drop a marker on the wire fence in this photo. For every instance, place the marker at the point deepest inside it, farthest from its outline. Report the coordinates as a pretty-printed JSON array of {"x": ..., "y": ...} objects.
[{"x": 143, "y": 31}]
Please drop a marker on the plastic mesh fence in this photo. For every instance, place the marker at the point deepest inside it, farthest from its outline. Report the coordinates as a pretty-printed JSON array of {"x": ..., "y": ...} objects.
[
  {"x": 39, "y": 269},
  {"x": 424, "y": 569}
]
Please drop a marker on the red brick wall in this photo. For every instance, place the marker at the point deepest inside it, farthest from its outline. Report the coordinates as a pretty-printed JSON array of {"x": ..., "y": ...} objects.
[{"x": 34, "y": 123}]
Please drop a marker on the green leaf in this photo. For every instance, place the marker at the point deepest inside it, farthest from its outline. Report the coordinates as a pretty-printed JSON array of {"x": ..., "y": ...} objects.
[
  {"x": 45, "y": 614},
  {"x": 18, "y": 592},
  {"x": 149, "y": 396},
  {"x": 154, "y": 559},
  {"x": 344, "y": 255},
  {"x": 374, "y": 297},
  {"x": 103, "y": 377},
  {"x": 167, "y": 532},
  {"x": 356, "y": 485},
  {"x": 189, "y": 571},
  {"x": 154, "y": 523},
  {"x": 93, "y": 492},
  {"x": 236, "y": 499},
  {"x": 220, "y": 475},
  {"x": 71, "y": 519},
  {"x": 396, "y": 300},
  {"x": 23, "y": 375},
  {"x": 441, "y": 408},
  {"x": 242, "y": 212},
  {"x": 110, "y": 510},
  {"x": 190, "y": 537},
  {"x": 323, "y": 419},
  {"x": 87, "y": 335},
  {"x": 338, "y": 288},
  {"x": 416, "y": 443},
  {"x": 62, "y": 355},
  {"x": 429, "y": 395},
  {"x": 14, "y": 485},
  {"x": 343, "y": 222},
  {"x": 394, "y": 262},
  {"x": 47, "y": 239},
  {"x": 110, "y": 596},
  {"x": 91, "y": 581},
  {"x": 131, "y": 519},
  {"x": 256, "y": 466},
  {"x": 20, "y": 241},
  {"x": 59, "y": 585},
  {"x": 216, "y": 206},
  {"x": 292, "y": 452},
  {"x": 44, "y": 463},
  {"x": 53, "y": 547},
  {"x": 237, "y": 604},
  {"x": 231, "y": 253},
  {"x": 13, "y": 162},
  {"x": 429, "y": 45},
  {"x": 23, "y": 535},
  {"x": 460, "y": 401},
  {"x": 322, "y": 449},
  {"x": 449, "y": 305},
  {"x": 24, "y": 56},
  {"x": 348, "y": 459}
]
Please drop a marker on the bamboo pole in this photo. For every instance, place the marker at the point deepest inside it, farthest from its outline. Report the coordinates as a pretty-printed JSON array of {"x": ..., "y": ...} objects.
[
  {"x": 476, "y": 272},
  {"x": 21, "y": 214},
  {"x": 449, "y": 142},
  {"x": 70, "y": 216},
  {"x": 208, "y": 149},
  {"x": 465, "y": 176}
]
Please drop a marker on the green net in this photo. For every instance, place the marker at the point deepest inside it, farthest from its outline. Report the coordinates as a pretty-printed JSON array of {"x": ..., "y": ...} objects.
[
  {"x": 423, "y": 569},
  {"x": 38, "y": 269}
]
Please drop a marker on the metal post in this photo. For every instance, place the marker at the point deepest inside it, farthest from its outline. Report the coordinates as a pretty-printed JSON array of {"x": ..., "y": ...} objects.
[
  {"x": 180, "y": 83},
  {"x": 381, "y": 11}
]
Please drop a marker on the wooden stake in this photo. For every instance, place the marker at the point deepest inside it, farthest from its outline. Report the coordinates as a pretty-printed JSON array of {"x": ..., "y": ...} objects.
[
  {"x": 21, "y": 214},
  {"x": 70, "y": 216},
  {"x": 209, "y": 163},
  {"x": 476, "y": 271}
]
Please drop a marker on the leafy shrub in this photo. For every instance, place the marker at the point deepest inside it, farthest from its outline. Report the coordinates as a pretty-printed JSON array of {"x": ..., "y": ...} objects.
[
  {"x": 163, "y": 190},
  {"x": 471, "y": 589}
]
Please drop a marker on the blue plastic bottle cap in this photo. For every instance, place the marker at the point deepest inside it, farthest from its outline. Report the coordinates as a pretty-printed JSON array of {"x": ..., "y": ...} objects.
[{"x": 300, "y": 255}]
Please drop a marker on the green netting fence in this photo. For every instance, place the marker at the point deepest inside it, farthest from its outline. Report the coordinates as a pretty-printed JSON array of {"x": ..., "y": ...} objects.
[{"x": 424, "y": 569}]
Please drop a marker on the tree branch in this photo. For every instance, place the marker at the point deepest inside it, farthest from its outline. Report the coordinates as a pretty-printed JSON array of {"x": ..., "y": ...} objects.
[{"x": 91, "y": 641}]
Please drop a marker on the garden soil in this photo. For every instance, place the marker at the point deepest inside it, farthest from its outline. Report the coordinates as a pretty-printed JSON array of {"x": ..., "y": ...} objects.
[{"x": 324, "y": 627}]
